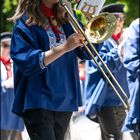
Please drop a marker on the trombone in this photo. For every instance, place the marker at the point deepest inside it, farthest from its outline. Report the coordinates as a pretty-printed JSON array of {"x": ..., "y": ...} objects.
[{"x": 93, "y": 35}]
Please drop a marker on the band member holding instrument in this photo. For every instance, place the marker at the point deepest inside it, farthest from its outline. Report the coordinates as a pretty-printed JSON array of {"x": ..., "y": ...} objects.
[
  {"x": 44, "y": 49},
  {"x": 131, "y": 60},
  {"x": 102, "y": 104}
]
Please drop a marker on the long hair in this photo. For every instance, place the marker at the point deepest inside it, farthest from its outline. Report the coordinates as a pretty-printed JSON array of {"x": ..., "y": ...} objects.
[{"x": 35, "y": 15}]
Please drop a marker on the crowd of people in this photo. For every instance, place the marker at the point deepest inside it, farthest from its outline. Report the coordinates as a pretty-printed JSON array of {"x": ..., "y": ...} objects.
[{"x": 47, "y": 74}]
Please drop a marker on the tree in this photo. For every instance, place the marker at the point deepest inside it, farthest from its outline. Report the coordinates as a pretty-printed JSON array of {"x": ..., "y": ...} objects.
[{"x": 7, "y": 10}]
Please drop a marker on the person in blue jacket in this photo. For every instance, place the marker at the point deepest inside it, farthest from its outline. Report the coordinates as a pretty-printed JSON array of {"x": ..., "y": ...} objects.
[
  {"x": 101, "y": 102},
  {"x": 131, "y": 60},
  {"x": 11, "y": 126},
  {"x": 44, "y": 49}
]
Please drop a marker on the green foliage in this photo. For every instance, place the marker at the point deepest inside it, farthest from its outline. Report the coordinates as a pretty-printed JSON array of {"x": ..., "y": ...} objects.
[
  {"x": 8, "y": 8},
  {"x": 81, "y": 17},
  {"x": 8, "y": 5}
]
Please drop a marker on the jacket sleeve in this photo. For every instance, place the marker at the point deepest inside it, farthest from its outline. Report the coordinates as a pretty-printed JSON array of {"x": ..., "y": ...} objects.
[
  {"x": 131, "y": 55},
  {"x": 110, "y": 57},
  {"x": 24, "y": 51}
]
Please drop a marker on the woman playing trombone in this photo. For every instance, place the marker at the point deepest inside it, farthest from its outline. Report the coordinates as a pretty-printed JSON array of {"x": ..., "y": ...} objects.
[{"x": 44, "y": 49}]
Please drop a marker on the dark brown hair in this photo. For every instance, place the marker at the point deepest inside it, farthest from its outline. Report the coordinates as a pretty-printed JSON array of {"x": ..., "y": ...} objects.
[{"x": 35, "y": 15}]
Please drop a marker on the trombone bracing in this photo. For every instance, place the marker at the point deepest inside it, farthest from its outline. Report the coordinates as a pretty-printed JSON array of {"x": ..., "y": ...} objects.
[{"x": 77, "y": 28}]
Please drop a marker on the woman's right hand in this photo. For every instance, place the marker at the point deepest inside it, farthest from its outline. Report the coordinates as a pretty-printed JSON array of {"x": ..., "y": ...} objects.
[{"x": 73, "y": 41}]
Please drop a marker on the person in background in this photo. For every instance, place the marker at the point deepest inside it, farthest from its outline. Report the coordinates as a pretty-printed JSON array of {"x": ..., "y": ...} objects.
[
  {"x": 102, "y": 105},
  {"x": 11, "y": 125},
  {"x": 77, "y": 114},
  {"x": 131, "y": 61},
  {"x": 44, "y": 49},
  {"x": 82, "y": 75}
]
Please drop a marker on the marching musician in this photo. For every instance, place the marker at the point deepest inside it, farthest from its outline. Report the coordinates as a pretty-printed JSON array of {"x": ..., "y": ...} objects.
[
  {"x": 11, "y": 125},
  {"x": 131, "y": 60},
  {"x": 44, "y": 49},
  {"x": 102, "y": 103}
]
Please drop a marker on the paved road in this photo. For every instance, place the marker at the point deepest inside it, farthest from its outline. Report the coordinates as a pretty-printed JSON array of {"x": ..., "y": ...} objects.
[{"x": 84, "y": 129}]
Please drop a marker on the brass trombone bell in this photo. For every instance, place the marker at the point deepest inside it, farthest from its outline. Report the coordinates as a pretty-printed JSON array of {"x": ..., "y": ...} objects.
[{"x": 100, "y": 27}]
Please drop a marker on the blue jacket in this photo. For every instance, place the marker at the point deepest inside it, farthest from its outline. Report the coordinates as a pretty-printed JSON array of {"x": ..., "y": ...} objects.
[
  {"x": 131, "y": 61},
  {"x": 55, "y": 87},
  {"x": 8, "y": 120},
  {"x": 98, "y": 92}
]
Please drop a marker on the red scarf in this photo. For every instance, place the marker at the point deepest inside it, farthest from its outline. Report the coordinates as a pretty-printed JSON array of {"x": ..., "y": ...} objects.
[
  {"x": 116, "y": 37},
  {"x": 7, "y": 65},
  {"x": 48, "y": 12}
]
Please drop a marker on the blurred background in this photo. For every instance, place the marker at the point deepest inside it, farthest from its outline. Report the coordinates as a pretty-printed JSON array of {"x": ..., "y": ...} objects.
[{"x": 8, "y": 9}]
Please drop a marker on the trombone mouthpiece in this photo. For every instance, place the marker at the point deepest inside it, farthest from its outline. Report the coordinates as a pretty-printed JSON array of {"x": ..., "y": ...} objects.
[{"x": 62, "y": 2}]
